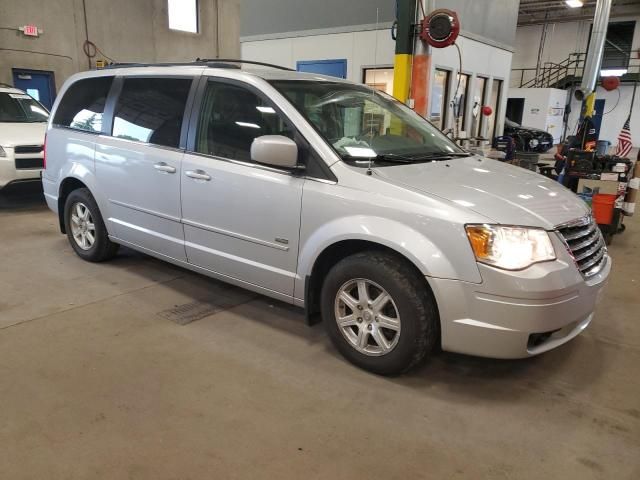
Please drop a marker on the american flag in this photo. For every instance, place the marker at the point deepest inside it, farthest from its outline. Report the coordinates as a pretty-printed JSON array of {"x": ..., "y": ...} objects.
[{"x": 624, "y": 140}]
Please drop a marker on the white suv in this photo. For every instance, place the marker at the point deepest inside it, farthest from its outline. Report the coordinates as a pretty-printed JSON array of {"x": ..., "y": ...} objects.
[
  {"x": 328, "y": 195},
  {"x": 23, "y": 122}
]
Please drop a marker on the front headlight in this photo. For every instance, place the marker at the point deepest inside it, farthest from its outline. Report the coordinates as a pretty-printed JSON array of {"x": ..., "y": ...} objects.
[
  {"x": 2, "y": 152},
  {"x": 533, "y": 143},
  {"x": 510, "y": 248}
]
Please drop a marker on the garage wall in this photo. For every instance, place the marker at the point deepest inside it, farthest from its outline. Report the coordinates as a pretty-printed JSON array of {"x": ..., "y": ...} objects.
[
  {"x": 616, "y": 113},
  {"x": 562, "y": 40},
  {"x": 543, "y": 108},
  {"x": 491, "y": 22},
  {"x": 125, "y": 30},
  {"x": 570, "y": 37}
]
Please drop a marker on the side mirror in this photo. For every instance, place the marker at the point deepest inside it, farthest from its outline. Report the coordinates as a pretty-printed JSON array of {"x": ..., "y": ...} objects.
[{"x": 275, "y": 150}]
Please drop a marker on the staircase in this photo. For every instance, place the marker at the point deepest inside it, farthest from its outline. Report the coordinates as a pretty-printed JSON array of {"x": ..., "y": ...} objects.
[
  {"x": 553, "y": 75},
  {"x": 565, "y": 74}
]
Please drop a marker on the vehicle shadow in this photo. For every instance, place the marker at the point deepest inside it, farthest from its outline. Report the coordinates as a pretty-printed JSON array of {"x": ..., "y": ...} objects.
[
  {"x": 22, "y": 196},
  {"x": 447, "y": 375}
]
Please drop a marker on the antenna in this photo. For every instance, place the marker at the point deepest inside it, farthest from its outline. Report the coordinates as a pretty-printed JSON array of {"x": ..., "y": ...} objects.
[{"x": 373, "y": 90}]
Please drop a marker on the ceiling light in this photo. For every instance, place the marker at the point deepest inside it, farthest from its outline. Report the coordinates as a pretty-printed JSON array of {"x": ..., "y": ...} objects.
[
  {"x": 574, "y": 3},
  {"x": 613, "y": 72}
]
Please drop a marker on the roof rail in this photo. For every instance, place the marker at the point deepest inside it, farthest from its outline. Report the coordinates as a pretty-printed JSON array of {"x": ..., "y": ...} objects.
[
  {"x": 207, "y": 62},
  {"x": 2, "y": 84},
  {"x": 248, "y": 62}
]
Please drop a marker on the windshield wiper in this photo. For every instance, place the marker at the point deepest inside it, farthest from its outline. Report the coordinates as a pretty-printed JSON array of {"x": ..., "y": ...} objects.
[
  {"x": 442, "y": 155},
  {"x": 397, "y": 158},
  {"x": 385, "y": 157}
]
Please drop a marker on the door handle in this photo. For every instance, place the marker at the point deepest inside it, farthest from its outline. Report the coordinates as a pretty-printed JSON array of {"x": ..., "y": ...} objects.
[
  {"x": 198, "y": 175},
  {"x": 163, "y": 167}
]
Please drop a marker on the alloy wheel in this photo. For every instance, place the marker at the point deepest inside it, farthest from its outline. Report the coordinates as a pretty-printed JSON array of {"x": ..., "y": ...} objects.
[
  {"x": 367, "y": 317},
  {"x": 82, "y": 227}
]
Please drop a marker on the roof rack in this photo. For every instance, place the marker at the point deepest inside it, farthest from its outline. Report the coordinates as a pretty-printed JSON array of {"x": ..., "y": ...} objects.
[
  {"x": 248, "y": 62},
  {"x": 208, "y": 62}
]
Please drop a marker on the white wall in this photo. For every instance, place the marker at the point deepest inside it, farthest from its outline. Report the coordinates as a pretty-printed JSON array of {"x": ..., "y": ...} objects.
[
  {"x": 360, "y": 50},
  {"x": 570, "y": 37},
  {"x": 543, "y": 108},
  {"x": 562, "y": 40},
  {"x": 612, "y": 122}
]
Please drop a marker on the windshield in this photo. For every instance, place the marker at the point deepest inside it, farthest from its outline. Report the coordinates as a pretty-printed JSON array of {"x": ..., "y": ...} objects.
[
  {"x": 21, "y": 108},
  {"x": 362, "y": 123}
]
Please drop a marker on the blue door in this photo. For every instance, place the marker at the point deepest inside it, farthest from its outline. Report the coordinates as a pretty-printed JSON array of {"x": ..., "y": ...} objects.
[
  {"x": 597, "y": 116},
  {"x": 334, "y": 68},
  {"x": 36, "y": 83}
]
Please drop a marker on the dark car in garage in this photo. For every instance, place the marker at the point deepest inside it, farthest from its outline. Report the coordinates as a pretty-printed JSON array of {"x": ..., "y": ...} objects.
[{"x": 527, "y": 139}]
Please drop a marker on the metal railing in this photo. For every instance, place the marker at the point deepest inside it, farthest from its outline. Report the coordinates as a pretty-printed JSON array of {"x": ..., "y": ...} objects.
[
  {"x": 564, "y": 74},
  {"x": 551, "y": 74}
]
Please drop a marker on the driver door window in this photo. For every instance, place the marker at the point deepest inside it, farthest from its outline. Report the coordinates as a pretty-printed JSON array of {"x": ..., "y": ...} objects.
[{"x": 232, "y": 117}]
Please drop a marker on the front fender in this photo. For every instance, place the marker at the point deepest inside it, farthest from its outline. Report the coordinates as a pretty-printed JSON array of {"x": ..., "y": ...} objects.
[{"x": 415, "y": 246}]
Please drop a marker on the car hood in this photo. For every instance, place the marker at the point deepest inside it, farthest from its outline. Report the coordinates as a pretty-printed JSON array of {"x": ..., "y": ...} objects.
[
  {"x": 12, "y": 134},
  {"x": 500, "y": 192}
]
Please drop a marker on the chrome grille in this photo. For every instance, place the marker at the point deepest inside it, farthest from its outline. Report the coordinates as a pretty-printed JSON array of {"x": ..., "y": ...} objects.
[{"x": 586, "y": 244}]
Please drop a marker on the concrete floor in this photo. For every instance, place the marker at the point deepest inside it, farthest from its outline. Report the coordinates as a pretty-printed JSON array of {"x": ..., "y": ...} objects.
[{"x": 105, "y": 373}]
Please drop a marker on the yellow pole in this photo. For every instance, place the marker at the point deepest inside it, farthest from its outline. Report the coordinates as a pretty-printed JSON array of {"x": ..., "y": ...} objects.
[
  {"x": 590, "y": 104},
  {"x": 401, "y": 76}
]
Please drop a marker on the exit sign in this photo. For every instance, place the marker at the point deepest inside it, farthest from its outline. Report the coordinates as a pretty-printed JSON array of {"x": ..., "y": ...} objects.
[{"x": 30, "y": 30}]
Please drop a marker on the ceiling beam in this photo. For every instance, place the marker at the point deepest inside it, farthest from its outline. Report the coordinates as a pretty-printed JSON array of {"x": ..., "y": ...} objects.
[{"x": 557, "y": 17}]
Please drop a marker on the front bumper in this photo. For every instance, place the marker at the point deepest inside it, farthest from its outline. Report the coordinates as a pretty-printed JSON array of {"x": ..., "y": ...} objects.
[
  {"x": 8, "y": 171},
  {"x": 517, "y": 314}
]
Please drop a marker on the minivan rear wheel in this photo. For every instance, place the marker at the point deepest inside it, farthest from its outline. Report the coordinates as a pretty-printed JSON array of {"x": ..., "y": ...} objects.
[
  {"x": 85, "y": 228},
  {"x": 379, "y": 313}
]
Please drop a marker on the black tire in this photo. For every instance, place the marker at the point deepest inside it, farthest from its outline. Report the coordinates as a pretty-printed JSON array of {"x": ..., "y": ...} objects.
[
  {"x": 102, "y": 248},
  {"x": 416, "y": 307}
]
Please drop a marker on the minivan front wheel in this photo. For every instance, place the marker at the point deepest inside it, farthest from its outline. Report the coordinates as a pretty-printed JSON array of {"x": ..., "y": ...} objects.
[
  {"x": 379, "y": 312},
  {"x": 85, "y": 228}
]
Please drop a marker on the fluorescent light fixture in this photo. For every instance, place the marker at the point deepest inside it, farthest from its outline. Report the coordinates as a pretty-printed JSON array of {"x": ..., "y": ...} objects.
[
  {"x": 265, "y": 109},
  {"x": 248, "y": 124},
  {"x": 574, "y": 3},
  {"x": 613, "y": 72}
]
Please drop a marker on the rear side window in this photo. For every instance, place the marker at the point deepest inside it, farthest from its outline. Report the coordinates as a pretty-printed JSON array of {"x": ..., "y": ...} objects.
[
  {"x": 151, "y": 110},
  {"x": 83, "y": 104},
  {"x": 232, "y": 117}
]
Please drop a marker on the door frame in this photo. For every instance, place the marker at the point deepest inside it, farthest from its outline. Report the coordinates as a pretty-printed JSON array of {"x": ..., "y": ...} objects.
[{"x": 51, "y": 74}]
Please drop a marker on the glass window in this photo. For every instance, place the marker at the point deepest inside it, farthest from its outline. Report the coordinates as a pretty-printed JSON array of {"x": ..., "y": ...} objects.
[
  {"x": 83, "y": 104},
  {"x": 151, "y": 110},
  {"x": 439, "y": 95},
  {"x": 183, "y": 15},
  {"x": 478, "y": 102},
  {"x": 460, "y": 100},
  {"x": 363, "y": 123},
  {"x": 379, "y": 78},
  {"x": 232, "y": 117},
  {"x": 21, "y": 108},
  {"x": 494, "y": 103}
]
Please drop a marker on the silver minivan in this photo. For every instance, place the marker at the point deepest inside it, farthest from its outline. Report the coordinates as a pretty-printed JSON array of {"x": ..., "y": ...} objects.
[{"x": 328, "y": 195}]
